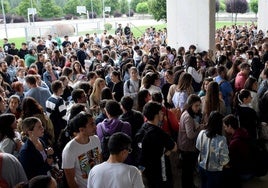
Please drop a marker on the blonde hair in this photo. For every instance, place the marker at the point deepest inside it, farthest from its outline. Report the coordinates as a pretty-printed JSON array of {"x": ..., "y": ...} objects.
[{"x": 96, "y": 91}]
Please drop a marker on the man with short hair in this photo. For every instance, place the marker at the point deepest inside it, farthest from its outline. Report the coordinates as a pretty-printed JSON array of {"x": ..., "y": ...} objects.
[
  {"x": 242, "y": 76},
  {"x": 155, "y": 146},
  {"x": 40, "y": 94},
  {"x": 23, "y": 50},
  {"x": 114, "y": 171},
  {"x": 112, "y": 124},
  {"x": 56, "y": 109},
  {"x": 82, "y": 152}
]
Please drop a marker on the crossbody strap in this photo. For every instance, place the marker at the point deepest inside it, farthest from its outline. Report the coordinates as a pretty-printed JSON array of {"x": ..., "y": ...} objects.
[{"x": 1, "y": 162}]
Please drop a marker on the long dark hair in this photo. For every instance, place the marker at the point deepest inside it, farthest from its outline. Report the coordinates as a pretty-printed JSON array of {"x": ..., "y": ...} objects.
[
  {"x": 6, "y": 120},
  {"x": 214, "y": 125},
  {"x": 30, "y": 107}
]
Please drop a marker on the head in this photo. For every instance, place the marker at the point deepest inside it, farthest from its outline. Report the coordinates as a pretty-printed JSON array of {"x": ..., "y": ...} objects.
[
  {"x": 14, "y": 102},
  {"x": 30, "y": 107},
  {"x": 8, "y": 123},
  {"x": 57, "y": 87},
  {"x": 2, "y": 104},
  {"x": 214, "y": 125},
  {"x": 251, "y": 84},
  {"x": 32, "y": 127},
  {"x": 76, "y": 109},
  {"x": 17, "y": 86},
  {"x": 144, "y": 96},
  {"x": 244, "y": 97},
  {"x": 157, "y": 97},
  {"x": 79, "y": 96},
  {"x": 185, "y": 81},
  {"x": 120, "y": 145},
  {"x": 153, "y": 111},
  {"x": 193, "y": 104},
  {"x": 42, "y": 181},
  {"x": 83, "y": 123},
  {"x": 115, "y": 76},
  {"x": 230, "y": 123},
  {"x": 106, "y": 93},
  {"x": 112, "y": 109},
  {"x": 127, "y": 103}
]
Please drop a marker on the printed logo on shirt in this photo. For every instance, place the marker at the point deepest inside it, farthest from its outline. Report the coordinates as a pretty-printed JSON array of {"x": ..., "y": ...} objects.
[{"x": 88, "y": 160}]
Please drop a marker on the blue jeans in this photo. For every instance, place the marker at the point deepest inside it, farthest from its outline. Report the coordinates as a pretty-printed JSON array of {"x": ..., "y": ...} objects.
[{"x": 210, "y": 179}]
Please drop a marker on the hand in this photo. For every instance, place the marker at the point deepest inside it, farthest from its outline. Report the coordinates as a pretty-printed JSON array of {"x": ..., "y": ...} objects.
[
  {"x": 50, "y": 151},
  {"x": 19, "y": 143},
  {"x": 50, "y": 161}
]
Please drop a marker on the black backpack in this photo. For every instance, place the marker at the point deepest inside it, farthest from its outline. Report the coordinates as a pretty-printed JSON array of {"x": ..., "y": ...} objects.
[
  {"x": 104, "y": 142},
  {"x": 139, "y": 137}
]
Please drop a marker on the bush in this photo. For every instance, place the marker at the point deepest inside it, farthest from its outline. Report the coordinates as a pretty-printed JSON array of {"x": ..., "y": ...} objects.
[
  {"x": 117, "y": 14},
  {"x": 92, "y": 15},
  {"x": 18, "y": 19},
  {"x": 68, "y": 16},
  {"x": 8, "y": 18},
  {"x": 131, "y": 13},
  {"x": 108, "y": 26}
]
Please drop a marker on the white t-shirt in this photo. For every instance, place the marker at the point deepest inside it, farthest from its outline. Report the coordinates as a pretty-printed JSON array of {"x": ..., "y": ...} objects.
[
  {"x": 114, "y": 175},
  {"x": 81, "y": 157}
]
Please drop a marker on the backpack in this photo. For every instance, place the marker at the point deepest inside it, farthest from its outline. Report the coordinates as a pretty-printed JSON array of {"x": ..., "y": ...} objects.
[
  {"x": 104, "y": 142},
  {"x": 3, "y": 182},
  {"x": 128, "y": 83},
  {"x": 139, "y": 137}
]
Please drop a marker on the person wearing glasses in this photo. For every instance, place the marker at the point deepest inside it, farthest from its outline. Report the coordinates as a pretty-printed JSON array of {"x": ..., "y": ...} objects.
[{"x": 114, "y": 171}]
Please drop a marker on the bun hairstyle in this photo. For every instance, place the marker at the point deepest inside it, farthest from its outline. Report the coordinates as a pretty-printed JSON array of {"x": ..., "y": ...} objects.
[{"x": 243, "y": 94}]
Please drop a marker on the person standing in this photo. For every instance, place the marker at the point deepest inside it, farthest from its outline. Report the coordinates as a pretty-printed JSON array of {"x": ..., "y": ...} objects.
[
  {"x": 189, "y": 129},
  {"x": 214, "y": 152},
  {"x": 155, "y": 146},
  {"x": 114, "y": 171},
  {"x": 82, "y": 152}
]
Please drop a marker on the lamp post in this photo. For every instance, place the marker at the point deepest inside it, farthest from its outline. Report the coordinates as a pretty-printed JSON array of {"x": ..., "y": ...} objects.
[
  {"x": 92, "y": 16},
  {"x": 32, "y": 10},
  {"x": 103, "y": 13},
  {"x": 4, "y": 17},
  {"x": 129, "y": 8}
]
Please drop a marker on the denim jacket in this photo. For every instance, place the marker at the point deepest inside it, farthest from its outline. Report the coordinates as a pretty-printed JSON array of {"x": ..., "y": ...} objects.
[{"x": 214, "y": 153}]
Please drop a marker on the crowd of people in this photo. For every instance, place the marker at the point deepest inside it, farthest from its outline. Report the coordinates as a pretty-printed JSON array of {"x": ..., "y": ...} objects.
[{"x": 113, "y": 110}]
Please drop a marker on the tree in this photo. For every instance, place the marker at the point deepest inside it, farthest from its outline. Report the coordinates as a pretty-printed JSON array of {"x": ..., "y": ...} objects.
[
  {"x": 142, "y": 8},
  {"x": 70, "y": 7},
  {"x": 236, "y": 6},
  {"x": 49, "y": 9},
  {"x": 158, "y": 9},
  {"x": 60, "y": 3},
  {"x": 14, "y": 3},
  {"x": 97, "y": 6},
  {"x": 114, "y": 4},
  {"x": 222, "y": 5},
  {"x": 6, "y": 6},
  {"x": 134, "y": 3},
  {"x": 217, "y": 6},
  {"x": 22, "y": 9},
  {"x": 124, "y": 6},
  {"x": 253, "y": 4}
]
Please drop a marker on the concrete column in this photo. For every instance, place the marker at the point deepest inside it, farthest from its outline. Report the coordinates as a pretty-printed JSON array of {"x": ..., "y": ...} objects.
[
  {"x": 263, "y": 15},
  {"x": 191, "y": 22}
]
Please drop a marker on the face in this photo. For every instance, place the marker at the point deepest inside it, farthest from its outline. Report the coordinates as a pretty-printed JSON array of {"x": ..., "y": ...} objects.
[
  {"x": 2, "y": 105},
  {"x": 160, "y": 115},
  {"x": 148, "y": 98},
  {"x": 133, "y": 74},
  {"x": 14, "y": 124},
  {"x": 90, "y": 128},
  {"x": 14, "y": 103},
  {"x": 61, "y": 90},
  {"x": 83, "y": 98},
  {"x": 101, "y": 85},
  {"x": 38, "y": 130},
  {"x": 4, "y": 67},
  {"x": 196, "y": 107}
]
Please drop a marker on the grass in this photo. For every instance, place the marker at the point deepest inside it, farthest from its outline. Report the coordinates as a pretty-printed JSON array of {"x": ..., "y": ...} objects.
[{"x": 137, "y": 31}]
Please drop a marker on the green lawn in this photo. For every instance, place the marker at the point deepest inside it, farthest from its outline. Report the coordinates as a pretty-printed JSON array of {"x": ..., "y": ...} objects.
[{"x": 137, "y": 31}]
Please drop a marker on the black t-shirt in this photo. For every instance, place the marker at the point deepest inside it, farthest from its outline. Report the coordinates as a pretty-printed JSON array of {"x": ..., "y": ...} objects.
[{"x": 154, "y": 145}]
